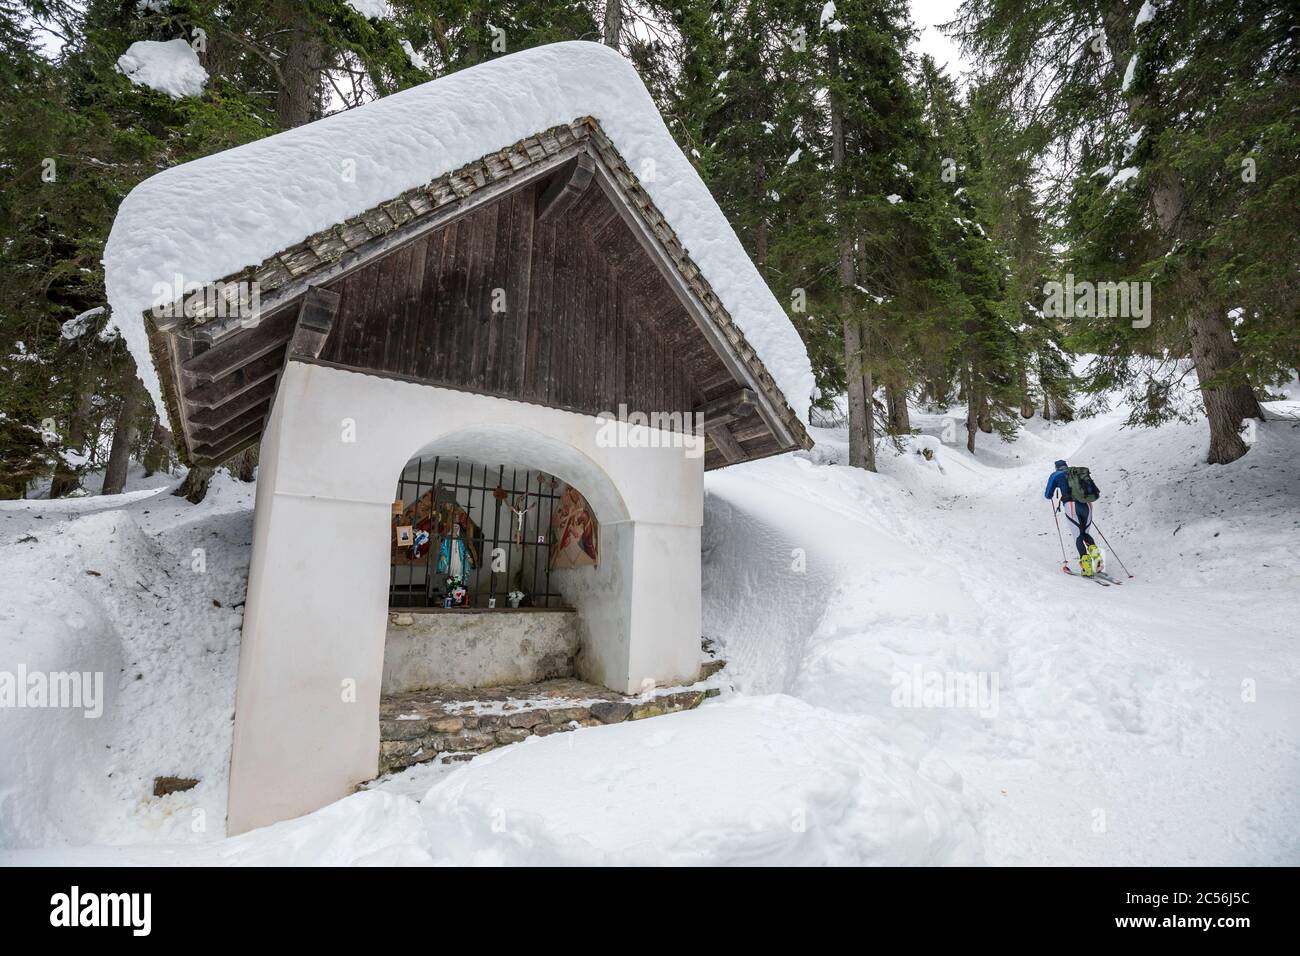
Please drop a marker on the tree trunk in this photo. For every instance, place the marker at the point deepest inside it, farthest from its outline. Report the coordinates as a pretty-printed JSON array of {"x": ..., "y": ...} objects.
[
  {"x": 613, "y": 22},
  {"x": 195, "y": 486},
  {"x": 900, "y": 419},
  {"x": 1026, "y": 399},
  {"x": 760, "y": 229},
  {"x": 868, "y": 400},
  {"x": 856, "y": 399},
  {"x": 244, "y": 465},
  {"x": 298, "y": 99},
  {"x": 1228, "y": 397},
  {"x": 862, "y": 439},
  {"x": 156, "y": 455},
  {"x": 67, "y": 479},
  {"x": 971, "y": 426},
  {"x": 124, "y": 433}
]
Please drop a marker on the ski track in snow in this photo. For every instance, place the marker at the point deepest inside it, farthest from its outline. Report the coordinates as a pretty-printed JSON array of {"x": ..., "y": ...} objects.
[{"x": 1120, "y": 733}]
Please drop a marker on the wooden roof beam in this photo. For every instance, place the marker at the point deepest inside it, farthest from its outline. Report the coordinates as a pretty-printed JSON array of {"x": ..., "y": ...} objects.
[
  {"x": 221, "y": 435},
  {"x": 237, "y": 382},
  {"x": 214, "y": 454},
  {"x": 241, "y": 346},
  {"x": 727, "y": 408},
  {"x": 218, "y": 415},
  {"x": 564, "y": 191},
  {"x": 418, "y": 228}
]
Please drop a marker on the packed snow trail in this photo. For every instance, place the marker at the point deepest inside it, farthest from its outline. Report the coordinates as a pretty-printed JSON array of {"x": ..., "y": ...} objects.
[
  {"x": 1123, "y": 727},
  {"x": 1154, "y": 723}
]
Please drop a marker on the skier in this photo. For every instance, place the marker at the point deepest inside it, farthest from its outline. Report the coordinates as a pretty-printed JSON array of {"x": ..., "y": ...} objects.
[{"x": 1077, "y": 491}]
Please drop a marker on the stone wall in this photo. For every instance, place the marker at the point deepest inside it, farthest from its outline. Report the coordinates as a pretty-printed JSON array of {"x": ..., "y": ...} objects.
[
  {"x": 457, "y": 725},
  {"x": 471, "y": 648}
]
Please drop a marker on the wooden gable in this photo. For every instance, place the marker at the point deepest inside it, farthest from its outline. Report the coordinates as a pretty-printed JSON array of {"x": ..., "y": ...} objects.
[{"x": 543, "y": 274}]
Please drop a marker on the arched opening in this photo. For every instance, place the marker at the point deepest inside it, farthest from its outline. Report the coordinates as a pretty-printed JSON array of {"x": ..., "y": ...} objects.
[
  {"x": 496, "y": 548},
  {"x": 483, "y": 516},
  {"x": 469, "y": 534}
]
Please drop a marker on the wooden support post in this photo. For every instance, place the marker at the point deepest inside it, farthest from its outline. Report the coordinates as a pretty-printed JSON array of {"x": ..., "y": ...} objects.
[
  {"x": 315, "y": 320},
  {"x": 724, "y": 441}
]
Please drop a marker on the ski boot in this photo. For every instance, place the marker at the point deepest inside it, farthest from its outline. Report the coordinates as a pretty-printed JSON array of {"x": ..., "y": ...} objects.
[
  {"x": 1098, "y": 562},
  {"x": 1085, "y": 564}
]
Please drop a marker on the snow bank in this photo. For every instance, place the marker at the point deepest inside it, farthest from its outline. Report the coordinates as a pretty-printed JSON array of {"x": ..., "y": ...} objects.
[
  {"x": 144, "y": 590},
  {"x": 236, "y": 208},
  {"x": 170, "y": 67},
  {"x": 365, "y": 829},
  {"x": 753, "y": 780}
]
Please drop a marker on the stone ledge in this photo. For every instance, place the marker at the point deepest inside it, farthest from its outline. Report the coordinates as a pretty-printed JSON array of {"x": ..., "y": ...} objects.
[{"x": 453, "y": 724}]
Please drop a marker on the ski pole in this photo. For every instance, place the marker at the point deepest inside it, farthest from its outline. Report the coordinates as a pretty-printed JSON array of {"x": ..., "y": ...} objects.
[
  {"x": 1112, "y": 550},
  {"x": 1065, "y": 562}
]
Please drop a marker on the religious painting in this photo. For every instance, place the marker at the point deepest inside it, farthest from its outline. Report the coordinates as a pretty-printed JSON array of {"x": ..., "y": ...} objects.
[
  {"x": 438, "y": 520},
  {"x": 575, "y": 536}
]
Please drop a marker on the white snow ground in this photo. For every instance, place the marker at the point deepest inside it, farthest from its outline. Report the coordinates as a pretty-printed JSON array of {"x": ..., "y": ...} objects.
[{"x": 1154, "y": 723}]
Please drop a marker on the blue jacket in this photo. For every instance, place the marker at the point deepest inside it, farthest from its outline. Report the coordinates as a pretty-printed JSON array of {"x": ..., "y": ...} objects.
[{"x": 1058, "y": 482}]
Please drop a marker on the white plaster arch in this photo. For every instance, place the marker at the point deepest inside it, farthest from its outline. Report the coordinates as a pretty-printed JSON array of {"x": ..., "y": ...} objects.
[
  {"x": 529, "y": 449},
  {"x": 311, "y": 658}
]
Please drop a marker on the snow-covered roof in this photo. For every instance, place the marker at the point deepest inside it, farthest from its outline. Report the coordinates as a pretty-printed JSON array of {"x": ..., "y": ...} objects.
[{"x": 208, "y": 219}]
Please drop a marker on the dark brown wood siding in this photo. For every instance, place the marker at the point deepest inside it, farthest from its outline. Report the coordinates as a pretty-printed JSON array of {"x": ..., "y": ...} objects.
[{"x": 565, "y": 312}]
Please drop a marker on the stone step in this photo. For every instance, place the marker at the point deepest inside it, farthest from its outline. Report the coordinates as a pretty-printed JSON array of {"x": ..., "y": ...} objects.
[{"x": 448, "y": 724}]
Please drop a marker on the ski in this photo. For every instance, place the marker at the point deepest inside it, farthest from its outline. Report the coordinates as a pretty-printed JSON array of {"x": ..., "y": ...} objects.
[
  {"x": 1106, "y": 577},
  {"x": 1096, "y": 578}
]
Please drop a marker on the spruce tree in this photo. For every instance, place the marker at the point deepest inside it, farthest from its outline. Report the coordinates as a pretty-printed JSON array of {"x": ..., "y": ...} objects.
[{"x": 1170, "y": 131}]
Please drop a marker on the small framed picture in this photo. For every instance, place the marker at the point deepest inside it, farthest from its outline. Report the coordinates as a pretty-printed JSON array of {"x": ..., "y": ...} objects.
[
  {"x": 541, "y": 539},
  {"x": 398, "y": 507},
  {"x": 492, "y": 601},
  {"x": 405, "y": 535}
]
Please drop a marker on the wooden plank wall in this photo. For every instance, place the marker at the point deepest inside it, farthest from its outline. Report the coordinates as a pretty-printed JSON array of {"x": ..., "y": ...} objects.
[{"x": 583, "y": 328}]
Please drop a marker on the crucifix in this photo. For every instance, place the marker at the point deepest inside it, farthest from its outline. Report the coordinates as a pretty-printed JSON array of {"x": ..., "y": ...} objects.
[{"x": 520, "y": 507}]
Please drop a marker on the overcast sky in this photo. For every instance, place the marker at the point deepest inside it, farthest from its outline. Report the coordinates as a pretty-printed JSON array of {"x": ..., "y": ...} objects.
[{"x": 927, "y": 13}]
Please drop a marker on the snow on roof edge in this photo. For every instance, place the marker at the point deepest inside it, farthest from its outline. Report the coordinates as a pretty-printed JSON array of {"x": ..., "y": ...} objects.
[{"x": 206, "y": 219}]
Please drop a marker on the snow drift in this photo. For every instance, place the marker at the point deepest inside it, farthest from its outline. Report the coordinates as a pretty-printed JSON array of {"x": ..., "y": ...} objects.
[{"x": 1149, "y": 724}]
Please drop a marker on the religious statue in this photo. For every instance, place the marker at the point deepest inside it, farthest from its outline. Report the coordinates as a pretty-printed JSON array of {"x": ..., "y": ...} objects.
[{"x": 455, "y": 555}]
